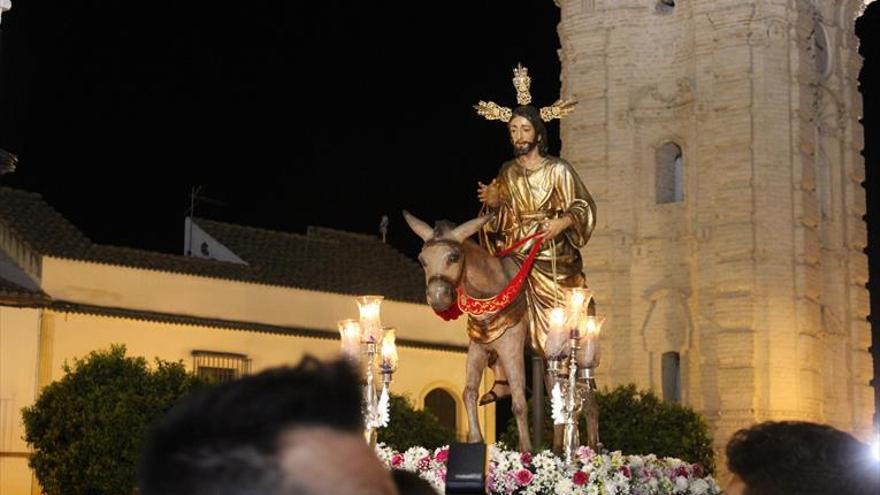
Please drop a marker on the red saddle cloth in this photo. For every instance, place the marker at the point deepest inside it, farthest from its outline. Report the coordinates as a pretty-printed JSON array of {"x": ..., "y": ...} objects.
[{"x": 477, "y": 307}]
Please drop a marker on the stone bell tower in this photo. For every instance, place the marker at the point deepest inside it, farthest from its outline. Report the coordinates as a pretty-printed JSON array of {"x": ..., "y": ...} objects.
[{"x": 721, "y": 140}]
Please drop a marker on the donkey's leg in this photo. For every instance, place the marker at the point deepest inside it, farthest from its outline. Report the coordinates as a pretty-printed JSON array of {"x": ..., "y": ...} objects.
[
  {"x": 476, "y": 363},
  {"x": 510, "y": 355},
  {"x": 500, "y": 387}
]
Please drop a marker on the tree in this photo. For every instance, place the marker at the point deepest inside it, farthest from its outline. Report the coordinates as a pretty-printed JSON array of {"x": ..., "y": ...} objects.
[
  {"x": 87, "y": 428},
  {"x": 409, "y": 427},
  {"x": 638, "y": 422}
]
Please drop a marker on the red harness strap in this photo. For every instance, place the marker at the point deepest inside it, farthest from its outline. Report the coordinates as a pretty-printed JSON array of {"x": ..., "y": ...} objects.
[{"x": 476, "y": 307}]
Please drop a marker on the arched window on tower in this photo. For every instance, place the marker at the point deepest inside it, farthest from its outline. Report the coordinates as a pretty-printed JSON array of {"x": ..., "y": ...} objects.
[
  {"x": 441, "y": 404},
  {"x": 669, "y": 177},
  {"x": 665, "y": 6},
  {"x": 671, "y": 377}
]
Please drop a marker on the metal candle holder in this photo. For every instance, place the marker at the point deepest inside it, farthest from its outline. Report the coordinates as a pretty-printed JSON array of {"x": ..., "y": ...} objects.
[{"x": 361, "y": 342}]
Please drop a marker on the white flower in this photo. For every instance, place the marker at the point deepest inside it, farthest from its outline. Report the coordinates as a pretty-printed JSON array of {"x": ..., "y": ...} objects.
[
  {"x": 681, "y": 484},
  {"x": 699, "y": 487},
  {"x": 384, "y": 453},
  {"x": 564, "y": 486}
]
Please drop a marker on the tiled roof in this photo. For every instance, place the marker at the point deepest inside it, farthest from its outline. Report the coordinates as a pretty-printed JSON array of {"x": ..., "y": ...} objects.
[
  {"x": 323, "y": 259},
  {"x": 32, "y": 219},
  {"x": 12, "y": 293}
]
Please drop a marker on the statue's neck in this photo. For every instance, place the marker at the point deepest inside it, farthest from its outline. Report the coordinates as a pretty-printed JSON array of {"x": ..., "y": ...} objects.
[{"x": 531, "y": 161}]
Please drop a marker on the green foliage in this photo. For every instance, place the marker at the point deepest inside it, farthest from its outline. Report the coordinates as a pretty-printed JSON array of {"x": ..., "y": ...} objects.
[
  {"x": 87, "y": 428},
  {"x": 638, "y": 422},
  {"x": 409, "y": 427}
]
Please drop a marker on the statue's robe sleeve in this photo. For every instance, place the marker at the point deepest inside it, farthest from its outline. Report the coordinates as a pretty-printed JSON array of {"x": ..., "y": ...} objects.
[
  {"x": 581, "y": 207},
  {"x": 499, "y": 232}
]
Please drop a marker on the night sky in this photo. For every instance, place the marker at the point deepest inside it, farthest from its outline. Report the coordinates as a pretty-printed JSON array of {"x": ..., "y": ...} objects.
[{"x": 288, "y": 114}]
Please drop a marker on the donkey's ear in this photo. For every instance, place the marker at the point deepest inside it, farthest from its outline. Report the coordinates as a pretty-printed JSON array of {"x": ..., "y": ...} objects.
[
  {"x": 421, "y": 229},
  {"x": 469, "y": 228}
]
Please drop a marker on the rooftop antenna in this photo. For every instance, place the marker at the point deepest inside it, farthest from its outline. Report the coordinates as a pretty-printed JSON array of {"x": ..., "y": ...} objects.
[
  {"x": 195, "y": 198},
  {"x": 383, "y": 227}
]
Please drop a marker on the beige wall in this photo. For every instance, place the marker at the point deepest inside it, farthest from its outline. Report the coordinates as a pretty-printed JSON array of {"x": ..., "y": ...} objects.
[
  {"x": 165, "y": 292},
  {"x": 74, "y": 335},
  {"x": 34, "y": 344},
  {"x": 19, "y": 343}
]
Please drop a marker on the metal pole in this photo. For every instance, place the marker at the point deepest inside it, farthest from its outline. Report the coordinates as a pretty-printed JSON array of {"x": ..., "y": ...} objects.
[{"x": 538, "y": 402}]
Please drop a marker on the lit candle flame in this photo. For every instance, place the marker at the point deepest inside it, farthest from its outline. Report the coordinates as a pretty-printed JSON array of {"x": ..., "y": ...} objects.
[
  {"x": 389, "y": 350},
  {"x": 579, "y": 297},
  {"x": 557, "y": 317},
  {"x": 368, "y": 306},
  {"x": 594, "y": 325},
  {"x": 557, "y": 336}
]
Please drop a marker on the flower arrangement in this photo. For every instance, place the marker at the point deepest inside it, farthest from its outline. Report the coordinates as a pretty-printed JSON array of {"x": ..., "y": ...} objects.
[{"x": 515, "y": 473}]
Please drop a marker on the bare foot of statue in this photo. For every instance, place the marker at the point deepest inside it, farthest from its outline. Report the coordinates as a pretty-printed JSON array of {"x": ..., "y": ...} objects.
[{"x": 500, "y": 389}]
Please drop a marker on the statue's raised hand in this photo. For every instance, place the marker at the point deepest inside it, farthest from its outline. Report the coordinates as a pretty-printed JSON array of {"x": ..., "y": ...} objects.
[{"x": 490, "y": 195}]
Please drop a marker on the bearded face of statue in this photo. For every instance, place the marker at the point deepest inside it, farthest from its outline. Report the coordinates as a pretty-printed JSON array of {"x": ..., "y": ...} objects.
[{"x": 523, "y": 136}]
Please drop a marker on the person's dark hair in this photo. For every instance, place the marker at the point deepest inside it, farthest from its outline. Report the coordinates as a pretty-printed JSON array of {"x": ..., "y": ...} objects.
[
  {"x": 224, "y": 439},
  {"x": 793, "y": 457},
  {"x": 532, "y": 114},
  {"x": 409, "y": 483}
]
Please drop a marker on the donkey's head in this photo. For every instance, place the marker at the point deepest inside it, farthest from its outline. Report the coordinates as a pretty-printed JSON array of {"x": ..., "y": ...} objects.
[{"x": 442, "y": 256}]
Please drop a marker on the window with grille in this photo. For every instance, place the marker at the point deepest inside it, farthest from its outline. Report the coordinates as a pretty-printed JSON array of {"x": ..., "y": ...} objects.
[{"x": 220, "y": 367}]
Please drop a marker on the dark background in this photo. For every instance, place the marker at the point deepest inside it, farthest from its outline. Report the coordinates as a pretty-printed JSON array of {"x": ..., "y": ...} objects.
[{"x": 288, "y": 114}]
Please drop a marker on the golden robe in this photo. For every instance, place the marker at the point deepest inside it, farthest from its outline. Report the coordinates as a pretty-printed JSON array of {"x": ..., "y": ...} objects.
[{"x": 527, "y": 198}]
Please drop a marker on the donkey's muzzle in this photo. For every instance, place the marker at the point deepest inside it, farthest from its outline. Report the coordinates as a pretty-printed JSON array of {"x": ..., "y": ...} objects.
[{"x": 440, "y": 293}]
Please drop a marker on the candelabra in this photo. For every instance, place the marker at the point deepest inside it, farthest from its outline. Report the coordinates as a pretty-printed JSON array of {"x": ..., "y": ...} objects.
[
  {"x": 572, "y": 351},
  {"x": 362, "y": 341}
]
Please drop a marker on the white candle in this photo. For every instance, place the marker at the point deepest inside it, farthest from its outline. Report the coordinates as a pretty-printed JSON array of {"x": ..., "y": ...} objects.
[
  {"x": 557, "y": 334},
  {"x": 389, "y": 350},
  {"x": 350, "y": 335},
  {"x": 588, "y": 354}
]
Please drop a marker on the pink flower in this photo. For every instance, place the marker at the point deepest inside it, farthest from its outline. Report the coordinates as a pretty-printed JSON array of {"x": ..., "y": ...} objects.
[
  {"x": 580, "y": 478},
  {"x": 396, "y": 460},
  {"x": 625, "y": 471},
  {"x": 682, "y": 471},
  {"x": 442, "y": 455},
  {"x": 585, "y": 453},
  {"x": 424, "y": 463},
  {"x": 523, "y": 477},
  {"x": 525, "y": 458},
  {"x": 442, "y": 474},
  {"x": 697, "y": 470}
]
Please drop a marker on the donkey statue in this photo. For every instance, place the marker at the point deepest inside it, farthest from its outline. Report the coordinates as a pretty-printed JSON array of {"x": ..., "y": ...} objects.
[{"x": 455, "y": 265}]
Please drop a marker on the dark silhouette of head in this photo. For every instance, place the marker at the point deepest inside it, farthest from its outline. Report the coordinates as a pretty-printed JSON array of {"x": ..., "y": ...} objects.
[
  {"x": 409, "y": 483},
  {"x": 793, "y": 457},
  {"x": 277, "y": 432}
]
